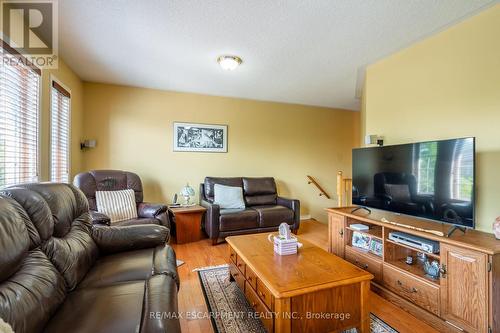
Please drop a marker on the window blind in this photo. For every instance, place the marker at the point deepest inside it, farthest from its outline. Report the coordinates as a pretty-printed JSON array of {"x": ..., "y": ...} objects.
[
  {"x": 59, "y": 133},
  {"x": 19, "y": 133}
]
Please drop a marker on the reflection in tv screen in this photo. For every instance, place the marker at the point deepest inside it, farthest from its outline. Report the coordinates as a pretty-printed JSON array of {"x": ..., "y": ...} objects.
[{"x": 433, "y": 180}]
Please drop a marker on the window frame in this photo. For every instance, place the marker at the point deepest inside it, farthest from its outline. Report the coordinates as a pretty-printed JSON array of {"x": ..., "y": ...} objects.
[
  {"x": 52, "y": 79},
  {"x": 8, "y": 49}
]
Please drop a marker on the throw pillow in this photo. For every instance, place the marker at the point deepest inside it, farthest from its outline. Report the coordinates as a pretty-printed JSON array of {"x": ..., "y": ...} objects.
[
  {"x": 117, "y": 205},
  {"x": 5, "y": 327},
  {"x": 398, "y": 192},
  {"x": 228, "y": 197}
]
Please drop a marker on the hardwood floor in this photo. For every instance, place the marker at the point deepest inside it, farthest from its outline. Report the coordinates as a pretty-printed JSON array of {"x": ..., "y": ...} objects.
[{"x": 200, "y": 254}]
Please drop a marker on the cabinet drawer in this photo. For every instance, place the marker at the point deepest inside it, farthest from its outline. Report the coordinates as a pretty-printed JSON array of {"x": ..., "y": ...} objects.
[
  {"x": 251, "y": 277},
  {"x": 365, "y": 262},
  {"x": 237, "y": 276},
  {"x": 240, "y": 264},
  {"x": 419, "y": 292},
  {"x": 262, "y": 310},
  {"x": 264, "y": 294},
  {"x": 232, "y": 255}
]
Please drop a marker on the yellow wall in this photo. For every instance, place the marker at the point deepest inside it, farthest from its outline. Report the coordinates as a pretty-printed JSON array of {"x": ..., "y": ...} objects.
[
  {"x": 443, "y": 87},
  {"x": 133, "y": 128},
  {"x": 63, "y": 74}
]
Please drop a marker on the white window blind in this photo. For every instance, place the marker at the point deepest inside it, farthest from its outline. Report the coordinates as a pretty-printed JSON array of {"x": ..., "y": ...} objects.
[
  {"x": 59, "y": 133},
  {"x": 19, "y": 105}
]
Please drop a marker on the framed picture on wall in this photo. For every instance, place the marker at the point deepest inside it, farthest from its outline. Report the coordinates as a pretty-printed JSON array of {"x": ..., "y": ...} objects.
[{"x": 200, "y": 137}]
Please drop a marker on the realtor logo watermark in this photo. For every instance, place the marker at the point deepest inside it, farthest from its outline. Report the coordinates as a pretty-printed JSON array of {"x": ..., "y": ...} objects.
[{"x": 30, "y": 28}]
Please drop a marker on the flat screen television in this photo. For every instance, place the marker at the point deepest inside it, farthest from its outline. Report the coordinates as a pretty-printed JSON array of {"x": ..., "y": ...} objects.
[{"x": 433, "y": 180}]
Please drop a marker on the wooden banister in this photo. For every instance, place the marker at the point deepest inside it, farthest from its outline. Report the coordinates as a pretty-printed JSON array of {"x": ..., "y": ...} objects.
[
  {"x": 344, "y": 190},
  {"x": 315, "y": 183}
]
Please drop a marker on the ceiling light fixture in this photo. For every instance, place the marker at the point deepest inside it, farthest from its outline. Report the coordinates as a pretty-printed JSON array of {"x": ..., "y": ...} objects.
[{"x": 228, "y": 62}]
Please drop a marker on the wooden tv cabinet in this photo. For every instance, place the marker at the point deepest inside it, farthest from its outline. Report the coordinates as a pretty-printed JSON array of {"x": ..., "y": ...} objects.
[{"x": 465, "y": 297}]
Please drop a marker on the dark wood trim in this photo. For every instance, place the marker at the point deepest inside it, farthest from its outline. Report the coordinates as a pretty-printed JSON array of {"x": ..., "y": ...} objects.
[
  {"x": 60, "y": 88},
  {"x": 10, "y": 50}
]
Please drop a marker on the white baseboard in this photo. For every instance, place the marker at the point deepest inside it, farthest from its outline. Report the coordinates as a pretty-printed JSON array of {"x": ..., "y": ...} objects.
[{"x": 305, "y": 217}]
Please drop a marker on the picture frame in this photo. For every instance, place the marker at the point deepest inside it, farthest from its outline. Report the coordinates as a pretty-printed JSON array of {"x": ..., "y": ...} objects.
[
  {"x": 376, "y": 247},
  {"x": 193, "y": 137},
  {"x": 361, "y": 240}
]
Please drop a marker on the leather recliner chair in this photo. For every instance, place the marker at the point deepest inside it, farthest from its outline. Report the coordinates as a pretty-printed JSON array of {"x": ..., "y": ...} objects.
[
  {"x": 264, "y": 209},
  {"x": 60, "y": 274},
  {"x": 115, "y": 180}
]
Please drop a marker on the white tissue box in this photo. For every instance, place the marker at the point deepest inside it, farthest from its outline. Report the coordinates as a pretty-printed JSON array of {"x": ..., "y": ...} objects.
[{"x": 285, "y": 247}]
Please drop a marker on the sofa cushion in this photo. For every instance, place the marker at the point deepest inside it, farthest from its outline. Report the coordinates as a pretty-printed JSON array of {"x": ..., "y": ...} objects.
[
  {"x": 32, "y": 295},
  {"x": 228, "y": 181},
  {"x": 238, "y": 219},
  {"x": 228, "y": 197},
  {"x": 260, "y": 191},
  {"x": 64, "y": 211},
  {"x": 137, "y": 221},
  {"x": 107, "y": 180},
  {"x": 115, "y": 308},
  {"x": 271, "y": 216},
  {"x": 117, "y": 205},
  {"x": 130, "y": 266}
]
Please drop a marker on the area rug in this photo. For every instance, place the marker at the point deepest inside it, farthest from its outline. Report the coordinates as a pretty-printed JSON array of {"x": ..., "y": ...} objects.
[{"x": 230, "y": 312}]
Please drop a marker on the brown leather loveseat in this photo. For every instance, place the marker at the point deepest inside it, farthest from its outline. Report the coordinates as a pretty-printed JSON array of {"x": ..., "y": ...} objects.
[
  {"x": 264, "y": 209},
  {"x": 58, "y": 274},
  {"x": 114, "y": 180}
]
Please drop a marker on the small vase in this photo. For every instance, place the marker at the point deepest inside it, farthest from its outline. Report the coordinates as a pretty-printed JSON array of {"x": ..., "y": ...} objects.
[{"x": 496, "y": 228}]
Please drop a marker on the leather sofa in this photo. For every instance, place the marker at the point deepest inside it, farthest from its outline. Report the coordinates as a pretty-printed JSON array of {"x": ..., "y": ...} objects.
[
  {"x": 60, "y": 274},
  {"x": 114, "y": 180},
  {"x": 264, "y": 209}
]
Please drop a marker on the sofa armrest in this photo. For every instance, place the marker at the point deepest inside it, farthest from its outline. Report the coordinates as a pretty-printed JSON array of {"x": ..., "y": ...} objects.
[
  {"x": 150, "y": 210},
  {"x": 211, "y": 218},
  {"x": 99, "y": 218},
  {"x": 294, "y": 205},
  {"x": 128, "y": 238}
]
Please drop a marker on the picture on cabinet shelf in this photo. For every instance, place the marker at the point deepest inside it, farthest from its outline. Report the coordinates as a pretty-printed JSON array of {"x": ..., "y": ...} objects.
[
  {"x": 361, "y": 240},
  {"x": 376, "y": 247}
]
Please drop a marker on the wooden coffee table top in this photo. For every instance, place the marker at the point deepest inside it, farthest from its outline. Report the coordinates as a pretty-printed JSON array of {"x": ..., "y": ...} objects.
[{"x": 311, "y": 269}]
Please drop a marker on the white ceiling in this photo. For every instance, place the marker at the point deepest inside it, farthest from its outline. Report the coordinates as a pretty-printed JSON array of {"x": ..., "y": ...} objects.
[{"x": 297, "y": 51}]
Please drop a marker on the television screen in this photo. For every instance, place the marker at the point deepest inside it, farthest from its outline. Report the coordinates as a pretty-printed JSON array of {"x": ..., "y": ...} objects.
[{"x": 433, "y": 180}]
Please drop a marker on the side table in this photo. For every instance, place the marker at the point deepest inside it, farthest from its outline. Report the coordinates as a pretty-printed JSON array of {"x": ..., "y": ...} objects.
[{"x": 187, "y": 223}]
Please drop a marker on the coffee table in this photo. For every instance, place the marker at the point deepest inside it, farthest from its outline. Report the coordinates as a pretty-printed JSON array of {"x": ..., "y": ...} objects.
[{"x": 311, "y": 291}]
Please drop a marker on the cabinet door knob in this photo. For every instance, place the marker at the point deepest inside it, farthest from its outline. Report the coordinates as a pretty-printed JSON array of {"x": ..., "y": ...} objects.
[
  {"x": 365, "y": 266},
  {"x": 341, "y": 232},
  {"x": 400, "y": 283},
  {"x": 442, "y": 270},
  {"x": 414, "y": 290}
]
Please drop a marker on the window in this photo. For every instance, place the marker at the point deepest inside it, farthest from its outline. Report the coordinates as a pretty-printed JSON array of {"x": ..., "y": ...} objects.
[
  {"x": 19, "y": 105},
  {"x": 426, "y": 166},
  {"x": 59, "y": 133},
  {"x": 462, "y": 170}
]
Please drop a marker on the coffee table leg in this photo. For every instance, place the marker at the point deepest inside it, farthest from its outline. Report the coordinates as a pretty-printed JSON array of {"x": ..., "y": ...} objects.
[
  {"x": 283, "y": 321},
  {"x": 365, "y": 309}
]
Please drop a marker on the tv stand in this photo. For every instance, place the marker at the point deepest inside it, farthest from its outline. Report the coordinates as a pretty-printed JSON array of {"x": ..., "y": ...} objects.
[
  {"x": 361, "y": 208},
  {"x": 453, "y": 228},
  {"x": 464, "y": 294}
]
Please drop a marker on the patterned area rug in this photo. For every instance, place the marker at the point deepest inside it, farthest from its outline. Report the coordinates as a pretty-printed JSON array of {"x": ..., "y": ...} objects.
[{"x": 230, "y": 311}]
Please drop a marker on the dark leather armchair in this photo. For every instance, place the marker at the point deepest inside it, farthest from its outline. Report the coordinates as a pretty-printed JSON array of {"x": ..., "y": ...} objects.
[
  {"x": 114, "y": 180},
  {"x": 264, "y": 209},
  {"x": 60, "y": 274}
]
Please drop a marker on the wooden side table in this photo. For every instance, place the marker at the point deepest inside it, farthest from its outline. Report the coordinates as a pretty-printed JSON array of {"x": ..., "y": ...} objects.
[{"x": 187, "y": 223}]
